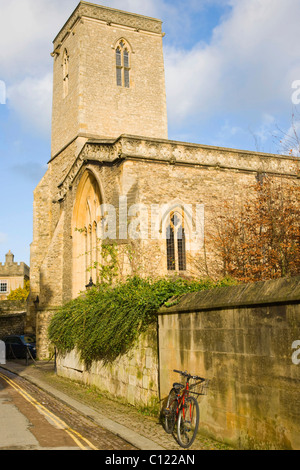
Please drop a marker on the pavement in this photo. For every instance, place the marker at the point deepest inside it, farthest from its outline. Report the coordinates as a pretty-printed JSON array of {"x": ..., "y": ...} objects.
[{"x": 145, "y": 432}]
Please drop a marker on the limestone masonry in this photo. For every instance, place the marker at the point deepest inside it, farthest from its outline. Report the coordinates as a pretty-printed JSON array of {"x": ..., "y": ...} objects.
[
  {"x": 12, "y": 275},
  {"x": 110, "y": 147}
]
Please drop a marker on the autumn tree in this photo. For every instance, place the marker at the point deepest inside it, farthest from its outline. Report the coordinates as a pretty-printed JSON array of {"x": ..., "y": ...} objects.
[
  {"x": 288, "y": 142},
  {"x": 21, "y": 293},
  {"x": 261, "y": 240}
]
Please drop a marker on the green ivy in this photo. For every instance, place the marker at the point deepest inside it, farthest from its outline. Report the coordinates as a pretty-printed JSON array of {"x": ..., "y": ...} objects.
[
  {"x": 108, "y": 268},
  {"x": 107, "y": 321}
]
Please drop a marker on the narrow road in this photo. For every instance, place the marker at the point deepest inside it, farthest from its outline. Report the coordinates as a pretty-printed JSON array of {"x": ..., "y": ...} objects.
[{"x": 33, "y": 420}]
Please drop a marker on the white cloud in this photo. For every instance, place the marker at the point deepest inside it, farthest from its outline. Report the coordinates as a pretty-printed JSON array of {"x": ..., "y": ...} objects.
[
  {"x": 30, "y": 170},
  {"x": 289, "y": 142},
  {"x": 146, "y": 7},
  {"x": 249, "y": 65},
  {"x": 27, "y": 30},
  {"x": 26, "y": 38},
  {"x": 193, "y": 81},
  {"x": 3, "y": 238},
  {"x": 31, "y": 99},
  {"x": 268, "y": 123}
]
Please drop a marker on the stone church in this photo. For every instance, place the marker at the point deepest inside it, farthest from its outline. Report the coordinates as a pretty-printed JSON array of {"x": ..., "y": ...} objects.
[{"x": 114, "y": 177}]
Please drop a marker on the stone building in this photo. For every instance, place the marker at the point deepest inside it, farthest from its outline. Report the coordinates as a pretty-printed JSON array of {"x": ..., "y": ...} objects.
[
  {"x": 12, "y": 275},
  {"x": 114, "y": 176}
]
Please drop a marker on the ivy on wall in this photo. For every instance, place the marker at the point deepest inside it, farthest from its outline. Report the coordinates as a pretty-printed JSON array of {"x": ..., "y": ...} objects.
[{"x": 107, "y": 321}]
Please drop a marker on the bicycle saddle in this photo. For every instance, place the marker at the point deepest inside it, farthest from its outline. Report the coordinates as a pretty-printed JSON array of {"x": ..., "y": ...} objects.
[{"x": 177, "y": 385}]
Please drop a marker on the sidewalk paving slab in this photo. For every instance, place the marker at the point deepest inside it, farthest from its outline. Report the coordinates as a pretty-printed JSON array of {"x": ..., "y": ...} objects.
[{"x": 122, "y": 420}]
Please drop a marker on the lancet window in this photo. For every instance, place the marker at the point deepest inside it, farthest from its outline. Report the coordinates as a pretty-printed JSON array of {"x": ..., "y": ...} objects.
[
  {"x": 123, "y": 64},
  {"x": 176, "y": 243}
]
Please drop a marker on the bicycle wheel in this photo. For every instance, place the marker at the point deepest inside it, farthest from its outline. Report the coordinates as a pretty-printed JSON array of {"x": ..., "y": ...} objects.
[
  {"x": 170, "y": 412},
  {"x": 188, "y": 422}
]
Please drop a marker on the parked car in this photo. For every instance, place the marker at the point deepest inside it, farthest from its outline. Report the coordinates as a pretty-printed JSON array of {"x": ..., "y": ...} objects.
[{"x": 17, "y": 347}]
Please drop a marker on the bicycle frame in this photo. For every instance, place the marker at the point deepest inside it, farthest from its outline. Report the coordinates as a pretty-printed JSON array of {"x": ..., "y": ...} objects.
[
  {"x": 183, "y": 394},
  {"x": 181, "y": 397}
]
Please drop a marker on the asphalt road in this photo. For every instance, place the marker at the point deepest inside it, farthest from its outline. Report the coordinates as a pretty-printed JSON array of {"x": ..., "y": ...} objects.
[{"x": 33, "y": 420}]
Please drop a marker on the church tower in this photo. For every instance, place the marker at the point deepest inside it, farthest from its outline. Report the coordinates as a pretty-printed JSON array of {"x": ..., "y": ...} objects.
[{"x": 108, "y": 77}]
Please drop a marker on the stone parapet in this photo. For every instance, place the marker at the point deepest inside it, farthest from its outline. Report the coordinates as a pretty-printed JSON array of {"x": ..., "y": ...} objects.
[
  {"x": 111, "y": 17},
  {"x": 135, "y": 148},
  {"x": 15, "y": 269},
  {"x": 12, "y": 307}
]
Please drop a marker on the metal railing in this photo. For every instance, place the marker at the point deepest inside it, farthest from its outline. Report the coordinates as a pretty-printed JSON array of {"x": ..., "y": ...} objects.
[{"x": 35, "y": 362}]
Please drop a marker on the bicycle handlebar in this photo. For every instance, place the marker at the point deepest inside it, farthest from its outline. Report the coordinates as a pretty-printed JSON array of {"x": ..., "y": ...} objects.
[{"x": 185, "y": 374}]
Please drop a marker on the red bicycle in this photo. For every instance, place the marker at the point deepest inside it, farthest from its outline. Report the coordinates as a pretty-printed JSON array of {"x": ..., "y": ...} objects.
[{"x": 183, "y": 408}]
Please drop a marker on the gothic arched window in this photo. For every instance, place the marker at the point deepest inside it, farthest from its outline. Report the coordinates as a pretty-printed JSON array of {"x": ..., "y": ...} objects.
[
  {"x": 86, "y": 245},
  {"x": 176, "y": 243},
  {"x": 123, "y": 64}
]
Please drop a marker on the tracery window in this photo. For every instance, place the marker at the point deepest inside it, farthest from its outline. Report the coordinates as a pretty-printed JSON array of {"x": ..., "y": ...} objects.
[
  {"x": 86, "y": 245},
  {"x": 176, "y": 243},
  {"x": 123, "y": 64}
]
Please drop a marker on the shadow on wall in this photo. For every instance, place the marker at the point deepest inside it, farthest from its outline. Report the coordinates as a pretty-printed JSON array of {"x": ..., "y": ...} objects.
[{"x": 246, "y": 339}]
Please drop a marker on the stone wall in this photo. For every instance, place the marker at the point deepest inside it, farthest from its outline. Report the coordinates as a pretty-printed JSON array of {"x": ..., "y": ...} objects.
[
  {"x": 12, "y": 318},
  {"x": 43, "y": 319},
  {"x": 13, "y": 275},
  {"x": 132, "y": 378},
  {"x": 241, "y": 339}
]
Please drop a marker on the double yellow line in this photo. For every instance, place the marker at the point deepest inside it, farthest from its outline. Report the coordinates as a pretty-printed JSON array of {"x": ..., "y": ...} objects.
[{"x": 77, "y": 438}]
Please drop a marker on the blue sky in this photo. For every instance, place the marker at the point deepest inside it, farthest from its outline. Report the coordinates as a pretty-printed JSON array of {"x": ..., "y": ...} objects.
[{"x": 230, "y": 65}]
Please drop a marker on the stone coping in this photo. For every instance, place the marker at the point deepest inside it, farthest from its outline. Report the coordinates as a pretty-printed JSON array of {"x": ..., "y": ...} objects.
[
  {"x": 9, "y": 304},
  {"x": 279, "y": 291},
  {"x": 94, "y": 140},
  {"x": 110, "y": 16}
]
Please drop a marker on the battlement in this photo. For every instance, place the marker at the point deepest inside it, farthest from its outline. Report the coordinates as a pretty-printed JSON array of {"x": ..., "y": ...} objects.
[
  {"x": 11, "y": 268},
  {"x": 111, "y": 17}
]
